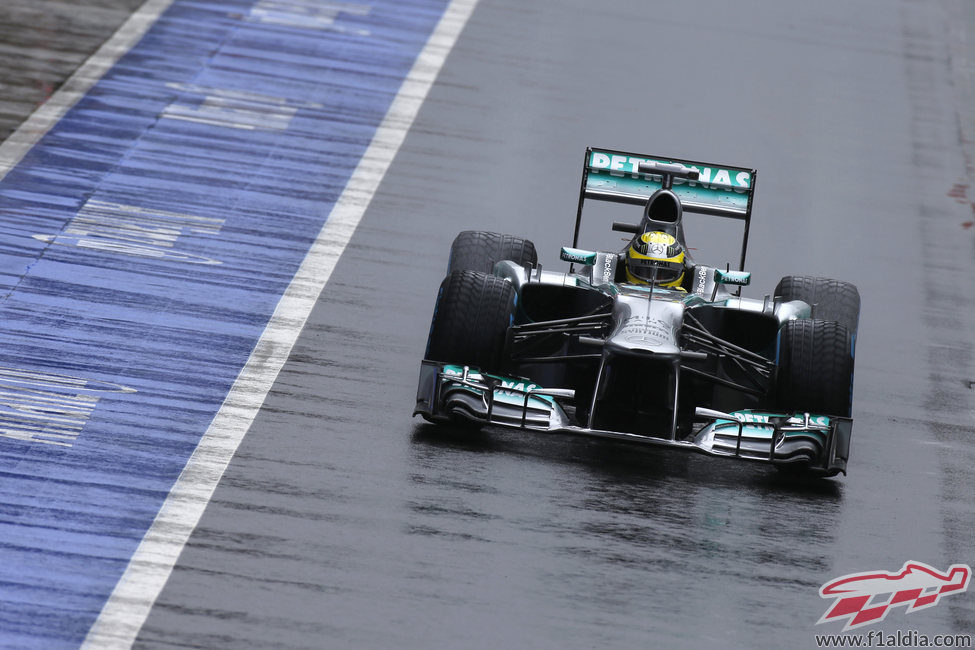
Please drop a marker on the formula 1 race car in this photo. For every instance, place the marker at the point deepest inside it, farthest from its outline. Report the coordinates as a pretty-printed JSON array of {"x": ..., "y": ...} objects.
[{"x": 645, "y": 344}]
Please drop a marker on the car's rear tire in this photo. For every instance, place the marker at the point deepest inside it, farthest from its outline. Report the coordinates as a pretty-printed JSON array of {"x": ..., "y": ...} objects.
[
  {"x": 831, "y": 300},
  {"x": 815, "y": 368},
  {"x": 471, "y": 319},
  {"x": 476, "y": 250}
]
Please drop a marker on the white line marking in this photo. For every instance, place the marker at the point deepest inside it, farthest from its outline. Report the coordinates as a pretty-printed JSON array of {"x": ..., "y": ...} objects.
[
  {"x": 15, "y": 147},
  {"x": 127, "y": 609}
]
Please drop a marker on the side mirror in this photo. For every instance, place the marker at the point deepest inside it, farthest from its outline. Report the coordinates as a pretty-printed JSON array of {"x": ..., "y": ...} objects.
[
  {"x": 740, "y": 278},
  {"x": 577, "y": 256}
]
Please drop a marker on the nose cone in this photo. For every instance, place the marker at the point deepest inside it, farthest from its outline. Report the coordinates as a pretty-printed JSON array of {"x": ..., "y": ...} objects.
[{"x": 644, "y": 326}]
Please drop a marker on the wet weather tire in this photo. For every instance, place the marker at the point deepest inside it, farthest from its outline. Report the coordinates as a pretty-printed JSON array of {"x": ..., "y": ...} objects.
[
  {"x": 477, "y": 250},
  {"x": 471, "y": 319},
  {"x": 833, "y": 300},
  {"x": 815, "y": 371}
]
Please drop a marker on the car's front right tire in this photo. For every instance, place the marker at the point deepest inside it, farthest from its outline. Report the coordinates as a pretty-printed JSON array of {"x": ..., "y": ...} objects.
[{"x": 471, "y": 319}]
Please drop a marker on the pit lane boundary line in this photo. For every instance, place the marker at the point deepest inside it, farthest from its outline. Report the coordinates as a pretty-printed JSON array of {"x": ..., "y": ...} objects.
[
  {"x": 128, "y": 607},
  {"x": 16, "y": 146}
]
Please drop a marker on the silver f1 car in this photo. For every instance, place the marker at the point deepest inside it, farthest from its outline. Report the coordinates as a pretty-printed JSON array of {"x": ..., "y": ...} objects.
[{"x": 645, "y": 344}]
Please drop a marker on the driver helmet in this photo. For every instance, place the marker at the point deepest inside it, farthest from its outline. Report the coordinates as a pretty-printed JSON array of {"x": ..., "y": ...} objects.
[{"x": 655, "y": 250}]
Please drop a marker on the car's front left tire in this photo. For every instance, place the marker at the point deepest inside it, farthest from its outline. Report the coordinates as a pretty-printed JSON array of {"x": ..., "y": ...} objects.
[
  {"x": 815, "y": 368},
  {"x": 833, "y": 300}
]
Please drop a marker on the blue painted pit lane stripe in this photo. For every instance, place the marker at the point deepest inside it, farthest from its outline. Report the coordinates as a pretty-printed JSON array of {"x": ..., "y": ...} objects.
[{"x": 147, "y": 240}]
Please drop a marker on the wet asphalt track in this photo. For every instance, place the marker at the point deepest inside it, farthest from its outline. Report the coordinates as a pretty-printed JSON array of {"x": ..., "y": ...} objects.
[
  {"x": 342, "y": 523},
  {"x": 43, "y": 42}
]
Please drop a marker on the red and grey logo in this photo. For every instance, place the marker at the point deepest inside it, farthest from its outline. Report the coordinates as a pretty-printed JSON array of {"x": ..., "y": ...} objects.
[{"x": 865, "y": 598}]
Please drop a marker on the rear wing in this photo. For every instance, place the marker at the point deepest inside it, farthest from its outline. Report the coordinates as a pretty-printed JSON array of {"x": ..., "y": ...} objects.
[{"x": 722, "y": 191}]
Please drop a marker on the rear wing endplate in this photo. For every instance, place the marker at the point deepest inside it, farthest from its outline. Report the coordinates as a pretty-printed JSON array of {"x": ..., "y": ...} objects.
[{"x": 721, "y": 190}]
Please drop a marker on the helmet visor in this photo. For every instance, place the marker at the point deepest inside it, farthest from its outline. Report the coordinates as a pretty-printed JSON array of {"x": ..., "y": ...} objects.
[{"x": 665, "y": 271}]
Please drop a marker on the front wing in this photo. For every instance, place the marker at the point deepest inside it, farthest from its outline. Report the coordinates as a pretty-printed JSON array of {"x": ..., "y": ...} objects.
[{"x": 816, "y": 443}]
